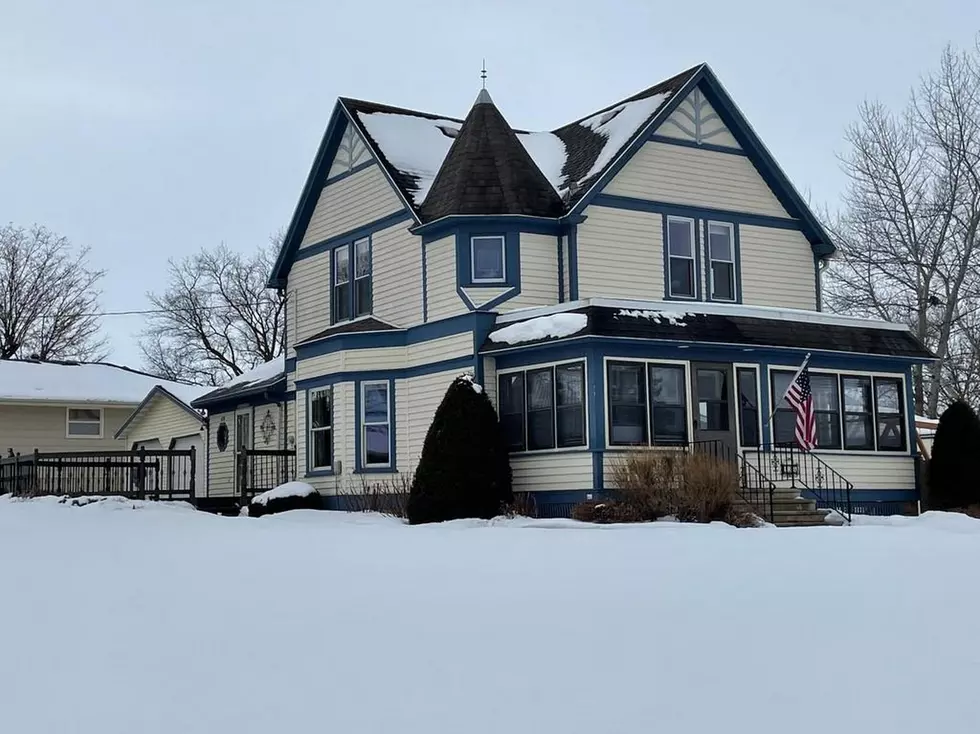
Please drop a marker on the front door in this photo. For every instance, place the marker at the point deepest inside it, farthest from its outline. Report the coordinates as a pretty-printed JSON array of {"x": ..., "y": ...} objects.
[{"x": 714, "y": 405}]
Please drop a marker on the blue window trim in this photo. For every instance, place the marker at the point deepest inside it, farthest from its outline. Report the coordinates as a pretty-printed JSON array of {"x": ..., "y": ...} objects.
[
  {"x": 561, "y": 269},
  {"x": 323, "y": 471},
  {"x": 573, "y": 262},
  {"x": 359, "y": 465},
  {"x": 736, "y": 261},
  {"x": 696, "y": 246},
  {"x": 502, "y": 239},
  {"x": 352, "y": 282},
  {"x": 464, "y": 267}
]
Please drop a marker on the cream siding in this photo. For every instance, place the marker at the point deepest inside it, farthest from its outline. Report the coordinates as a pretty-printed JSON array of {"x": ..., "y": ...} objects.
[
  {"x": 620, "y": 254},
  {"x": 876, "y": 471},
  {"x": 490, "y": 380},
  {"x": 683, "y": 175},
  {"x": 539, "y": 273},
  {"x": 440, "y": 275},
  {"x": 396, "y": 261},
  {"x": 350, "y": 203},
  {"x": 26, "y": 427},
  {"x": 221, "y": 464},
  {"x": 164, "y": 420},
  {"x": 309, "y": 282},
  {"x": 695, "y": 120},
  {"x": 480, "y": 295},
  {"x": 777, "y": 268},
  {"x": 552, "y": 471}
]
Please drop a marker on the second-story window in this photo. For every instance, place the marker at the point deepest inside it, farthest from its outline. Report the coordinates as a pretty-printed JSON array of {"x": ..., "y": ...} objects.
[
  {"x": 488, "y": 260},
  {"x": 721, "y": 261},
  {"x": 352, "y": 292},
  {"x": 681, "y": 275}
]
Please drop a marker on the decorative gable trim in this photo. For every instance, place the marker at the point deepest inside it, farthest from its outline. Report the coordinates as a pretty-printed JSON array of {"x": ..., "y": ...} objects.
[
  {"x": 705, "y": 80},
  {"x": 340, "y": 121}
]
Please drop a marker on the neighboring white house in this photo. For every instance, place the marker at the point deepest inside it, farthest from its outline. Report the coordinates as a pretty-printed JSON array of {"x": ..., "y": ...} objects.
[
  {"x": 72, "y": 406},
  {"x": 659, "y": 227}
]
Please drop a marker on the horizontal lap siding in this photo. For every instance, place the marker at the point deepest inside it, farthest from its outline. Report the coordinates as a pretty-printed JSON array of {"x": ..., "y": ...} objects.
[
  {"x": 396, "y": 260},
  {"x": 274, "y": 411},
  {"x": 683, "y": 175},
  {"x": 162, "y": 420},
  {"x": 777, "y": 268},
  {"x": 490, "y": 379},
  {"x": 440, "y": 266},
  {"x": 546, "y": 472},
  {"x": 24, "y": 428},
  {"x": 423, "y": 395},
  {"x": 620, "y": 254},
  {"x": 386, "y": 358},
  {"x": 221, "y": 464},
  {"x": 309, "y": 285},
  {"x": 350, "y": 203},
  {"x": 539, "y": 273},
  {"x": 874, "y": 472}
]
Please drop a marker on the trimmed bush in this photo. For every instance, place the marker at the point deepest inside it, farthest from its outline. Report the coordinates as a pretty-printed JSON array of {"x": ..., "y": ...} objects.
[
  {"x": 954, "y": 470},
  {"x": 285, "y": 504},
  {"x": 464, "y": 470}
]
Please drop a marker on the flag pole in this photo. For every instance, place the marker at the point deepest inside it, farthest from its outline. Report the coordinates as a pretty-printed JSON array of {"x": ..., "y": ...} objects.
[{"x": 772, "y": 415}]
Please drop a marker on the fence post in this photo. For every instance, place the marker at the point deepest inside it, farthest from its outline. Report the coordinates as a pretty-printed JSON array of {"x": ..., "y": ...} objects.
[{"x": 193, "y": 474}]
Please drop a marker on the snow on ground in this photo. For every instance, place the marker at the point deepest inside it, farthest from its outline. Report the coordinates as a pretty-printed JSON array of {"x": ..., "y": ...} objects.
[
  {"x": 289, "y": 489},
  {"x": 165, "y": 620},
  {"x": 555, "y": 326}
]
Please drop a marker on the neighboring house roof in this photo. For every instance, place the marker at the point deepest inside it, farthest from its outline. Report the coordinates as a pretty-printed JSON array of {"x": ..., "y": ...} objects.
[
  {"x": 65, "y": 382},
  {"x": 163, "y": 394},
  {"x": 269, "y": 377},
  {"x": 706, "y": 323},
  {"x": 488, "y": 171}
]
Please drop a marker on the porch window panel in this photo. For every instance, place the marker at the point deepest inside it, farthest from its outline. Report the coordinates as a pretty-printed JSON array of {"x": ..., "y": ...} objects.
[
  {"x": 540, "y": 409},
  {"x": 890, "y": 412},
  {"x": 570, "y": 405},
  {"x": 510, "y": 388},
  {"x": 784, "y": 418},
  {"x": 668, "y": 404},
  {"x": 748, "y": 406},
  {"x": 858, "y": 413},
  {"x": 627, "y": 404},
  {"x": 826, "y": 410}
]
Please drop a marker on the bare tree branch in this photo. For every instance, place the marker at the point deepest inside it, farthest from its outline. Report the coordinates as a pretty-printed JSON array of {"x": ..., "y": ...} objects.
[{"x": 49, "y": 298}]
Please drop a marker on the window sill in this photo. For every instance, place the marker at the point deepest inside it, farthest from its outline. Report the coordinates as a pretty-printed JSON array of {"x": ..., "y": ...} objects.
[
  {"x": 549, "y": 452},
  {"x": 376, "y": 470},
  {"x": 473, "y": 283},
  {"x": 82, "y": 438},
  {"x": 320, "y": 473}
]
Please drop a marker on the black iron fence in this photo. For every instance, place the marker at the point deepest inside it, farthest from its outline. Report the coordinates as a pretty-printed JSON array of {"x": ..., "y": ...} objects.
[
  {"x": 807, "y": 472},
  {"x": 260, "y": 470},
  {"x": 140, "y": 474}
]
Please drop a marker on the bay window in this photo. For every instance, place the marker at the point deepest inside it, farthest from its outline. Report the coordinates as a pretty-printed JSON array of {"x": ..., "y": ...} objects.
[{"x": 543, "y": 408}]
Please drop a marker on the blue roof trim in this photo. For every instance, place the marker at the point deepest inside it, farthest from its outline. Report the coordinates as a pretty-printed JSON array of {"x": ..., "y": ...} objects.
[
  {"x": 616, "y": 201},
  {"x": 440, "y": 228},
  {"x": 752, "y": 145},
  {"x": 340, "y": 118}
]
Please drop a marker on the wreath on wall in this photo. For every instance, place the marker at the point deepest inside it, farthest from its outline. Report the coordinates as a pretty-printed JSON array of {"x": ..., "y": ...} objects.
[
  {"x": 268, "y": 427},
  {"x": 222, "y": 436}
]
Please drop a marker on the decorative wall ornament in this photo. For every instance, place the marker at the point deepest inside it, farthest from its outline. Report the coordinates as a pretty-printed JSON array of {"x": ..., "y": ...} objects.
[
  {"x": 222, "y": 436},
  {"x": 268, "y": 428}
]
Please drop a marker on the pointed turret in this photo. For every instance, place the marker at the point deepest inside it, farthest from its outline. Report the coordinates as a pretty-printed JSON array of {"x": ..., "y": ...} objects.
[{"x": 488, "y": 171}]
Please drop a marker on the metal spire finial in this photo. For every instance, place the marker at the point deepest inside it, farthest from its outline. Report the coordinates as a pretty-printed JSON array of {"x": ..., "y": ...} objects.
[{"x": 483, "y": 74}]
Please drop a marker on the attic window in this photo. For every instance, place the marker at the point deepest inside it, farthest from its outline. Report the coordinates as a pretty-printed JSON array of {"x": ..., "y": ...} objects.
[
  {"x": 449, "y": 132},
  {"x": 610, "y": 115}
]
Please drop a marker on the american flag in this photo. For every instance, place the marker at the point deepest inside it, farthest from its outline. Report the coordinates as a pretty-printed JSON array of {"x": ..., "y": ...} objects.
[{"x": 800, "y": 397}]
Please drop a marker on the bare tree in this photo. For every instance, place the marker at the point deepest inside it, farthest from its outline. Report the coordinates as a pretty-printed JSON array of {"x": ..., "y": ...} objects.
[
  {"x": 216, "y": 318},
  {"x": 908, "y": 228},
  {"x": 49, "y": 297}
]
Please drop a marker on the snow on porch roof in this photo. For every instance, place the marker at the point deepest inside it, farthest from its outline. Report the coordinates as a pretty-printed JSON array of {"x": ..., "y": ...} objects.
[
  {"x": 83, "y": 382},
  {"x": 270, "y": 376}
]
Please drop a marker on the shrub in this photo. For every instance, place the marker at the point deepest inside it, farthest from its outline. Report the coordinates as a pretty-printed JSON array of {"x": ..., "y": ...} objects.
[
  {"x": 312, "y": 501},
  {"x": 387, "y": 496},
  {"x": 523, "y": 505},
  {"x": 464, "y": 470},
  {"x": 606, "y": 511},
  {"x": 954, "y": 470}
]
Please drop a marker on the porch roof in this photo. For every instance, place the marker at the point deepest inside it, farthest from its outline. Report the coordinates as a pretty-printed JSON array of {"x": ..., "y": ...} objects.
[{"x": 710, "y": 323}]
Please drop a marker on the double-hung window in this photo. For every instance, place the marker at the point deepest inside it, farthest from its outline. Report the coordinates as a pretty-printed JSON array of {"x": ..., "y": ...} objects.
[
  {"x": 321, "y": 429},
  {"x": 721, "y": 261},
  {"x": 352, "y": 294},
  {"x": 647, "y": 399},
  {"x": 681, "y": 261},
  {"x": 543, "y": 408},
  {"x": 488, "y": 259},
  {"x": 84, "y": 423},
  {"x": 375, "y": 424}
]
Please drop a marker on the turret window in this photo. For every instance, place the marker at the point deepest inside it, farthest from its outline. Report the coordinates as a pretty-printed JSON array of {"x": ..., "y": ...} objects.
[{"x": 488, "y": 259}]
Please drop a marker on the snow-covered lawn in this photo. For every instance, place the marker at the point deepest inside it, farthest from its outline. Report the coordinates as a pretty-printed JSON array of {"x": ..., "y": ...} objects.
[{"x": 161, "y": 620}]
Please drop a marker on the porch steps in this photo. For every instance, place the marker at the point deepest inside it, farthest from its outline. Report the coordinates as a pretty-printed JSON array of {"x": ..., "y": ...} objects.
[{"x": 791, "y": 510}]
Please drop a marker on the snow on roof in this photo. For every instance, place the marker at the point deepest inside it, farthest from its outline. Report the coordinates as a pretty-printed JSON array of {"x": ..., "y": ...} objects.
[
  {"x": 67, "y": 382},
  {"x": 263, "y": 372},
  {"x": 414, "y": 145},
  {"x": 555, "y": 326},
  {"x": 548, "y": 153},
  {"x": 674, "y": 318},
  {"x": 618, "y": 125}
]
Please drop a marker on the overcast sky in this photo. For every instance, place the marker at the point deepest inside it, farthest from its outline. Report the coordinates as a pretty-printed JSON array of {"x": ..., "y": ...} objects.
[{"x": 147, "y": 130}]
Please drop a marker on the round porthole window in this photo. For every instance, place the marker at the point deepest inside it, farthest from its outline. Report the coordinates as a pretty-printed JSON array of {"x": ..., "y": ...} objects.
[{"x": 222, "y": 437}]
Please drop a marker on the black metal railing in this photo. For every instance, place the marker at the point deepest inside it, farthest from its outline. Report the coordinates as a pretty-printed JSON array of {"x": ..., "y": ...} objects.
[
  {"x": 806, "y": 471},
  {"x": 260, "y": 470},
  {"x": 754, "y": 487},
  {"x": 140, "y": 474}
]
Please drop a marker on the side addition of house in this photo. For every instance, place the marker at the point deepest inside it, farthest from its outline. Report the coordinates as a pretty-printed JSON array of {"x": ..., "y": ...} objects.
[{"x": 643, "y": 276}]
